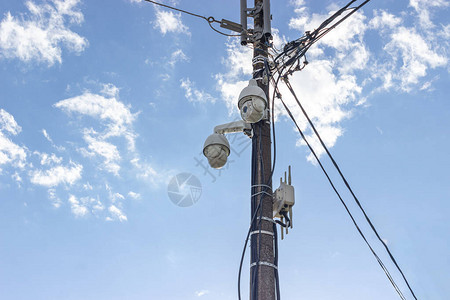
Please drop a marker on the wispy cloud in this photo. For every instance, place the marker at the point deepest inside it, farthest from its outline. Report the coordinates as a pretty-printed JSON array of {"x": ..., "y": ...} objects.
[
  {"x": 57, "y": 175},
  {"x": 177, "y": 56},
  {"x": 201, "y": 293},
  {"x": 41, "y": 34},
  {"x": 168, "y": 21},
  {"x": 117, "y": 121},
  {"x": 116, "y": 214},
  {"x": 10, "y": 153},
  {"x": 106, "y": 107},
  {"x": 193, "y": 94},
  {"x": 77, "y": 208},
  {"x": 134, "y": 195},
  {"x": 409, "y": 53}
]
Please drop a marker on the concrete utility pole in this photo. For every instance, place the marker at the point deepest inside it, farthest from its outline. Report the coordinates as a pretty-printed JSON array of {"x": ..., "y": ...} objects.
[{"x": 262, "y": 275}]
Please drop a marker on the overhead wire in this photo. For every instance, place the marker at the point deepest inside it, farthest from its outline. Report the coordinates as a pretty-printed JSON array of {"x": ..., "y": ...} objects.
[
  {"x": 348, "y": 185},
  {"x": 380, "y": 262},
  {"x": 295, "y": 49}
]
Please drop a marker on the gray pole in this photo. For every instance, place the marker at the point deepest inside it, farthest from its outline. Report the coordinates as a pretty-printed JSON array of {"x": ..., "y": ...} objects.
[{"x": 262, "y": 275}]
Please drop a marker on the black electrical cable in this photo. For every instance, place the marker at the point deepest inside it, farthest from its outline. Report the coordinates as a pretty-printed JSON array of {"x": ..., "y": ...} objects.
[
  {"x": 302, "y": 44},
  {"x": 243, "y": 252},
  {"x": 277, "y": 279},
  {"x": 380, "y": 262},
  {"x": 348, "y": 186},
  {"x": 353, "y": 10}
]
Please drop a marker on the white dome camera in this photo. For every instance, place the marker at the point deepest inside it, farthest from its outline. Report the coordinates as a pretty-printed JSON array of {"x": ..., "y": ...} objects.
[
  {"x": 216, "y": 149},
  {"x": 252, "y": 102}
]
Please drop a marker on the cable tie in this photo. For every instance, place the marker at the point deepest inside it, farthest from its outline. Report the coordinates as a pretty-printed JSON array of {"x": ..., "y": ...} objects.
[
  {"x": 265, "y": 264},
  {"x": 261, "y": 231}
]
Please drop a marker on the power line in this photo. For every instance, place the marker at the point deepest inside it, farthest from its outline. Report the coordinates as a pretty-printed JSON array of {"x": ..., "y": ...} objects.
[
  {"x": 297, "y": 49},
  {"x": 380, "y": 262},
  {"x": 348, "y": 186}
]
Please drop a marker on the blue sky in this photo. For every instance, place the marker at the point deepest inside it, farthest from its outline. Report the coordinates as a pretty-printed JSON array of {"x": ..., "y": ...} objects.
[{"x": 101, "y": 104}]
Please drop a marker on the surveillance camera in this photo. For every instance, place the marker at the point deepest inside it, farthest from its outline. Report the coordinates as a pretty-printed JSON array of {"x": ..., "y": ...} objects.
[
  {"x": 252, "y": 102},
  {"x": 216, "y": 149}
]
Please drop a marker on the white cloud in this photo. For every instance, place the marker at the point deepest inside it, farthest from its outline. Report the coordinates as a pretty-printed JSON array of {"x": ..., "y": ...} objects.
[
  {"x": 56, "y": 202},
  {"x": 134, "y": 195},
  {"x": 343, "y": 63},
  {"x": 238, "y": 72},
  {"x": 10, "y": 153},
  {"x": 176, "y": 56},
  {"x": 116, "y": 119},
  {"x": 57, "y": 175},
  {"x": 384, "y": 19},
  {"x": 108, "y": 151},
  {"x": 41, "y": 34},
  {"x": 77, "y": 208},
  {"x": 146, "y": 172},
  {"x": 116, "y": 116},
  {"x": 424, "y": 10},
  {"x": 116, "y": 214},
  {"x": 85, "y": 205},
  {"x": 110, "y": 110},
  {"x": 201, "y": 293},
  {"x": 409, "y": 53},
  {"x": 17, "y": 178},
  {"x": 193, "y": 94},
  {"x": 415, "y": 54},
  {"x": 47, "y": 159},
  {"x": 8, "y": 123},
  {"x": 168, "y": 21},
  {"x": 47, "y": 136}
]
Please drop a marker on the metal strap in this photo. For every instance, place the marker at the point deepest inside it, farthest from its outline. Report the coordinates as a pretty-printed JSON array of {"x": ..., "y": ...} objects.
[
  {"x": 267, "y": 219},
  {"x": 265, "y": 264},
  {"x": 261, "y": 231}
]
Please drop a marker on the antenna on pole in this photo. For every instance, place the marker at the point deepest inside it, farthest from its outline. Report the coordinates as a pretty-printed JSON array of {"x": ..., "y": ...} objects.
[
  {"x": 244, "y": 22},
  {"x": 267, "y": 32}
]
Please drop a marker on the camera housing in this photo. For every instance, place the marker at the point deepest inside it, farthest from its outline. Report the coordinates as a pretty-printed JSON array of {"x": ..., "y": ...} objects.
[
  {"x": 252, "y": 103},
  {"x": 216, "y": 149}
]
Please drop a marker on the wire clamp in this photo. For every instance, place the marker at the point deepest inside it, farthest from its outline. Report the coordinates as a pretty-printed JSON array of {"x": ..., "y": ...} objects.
[{"x": 264, "y": 263}]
